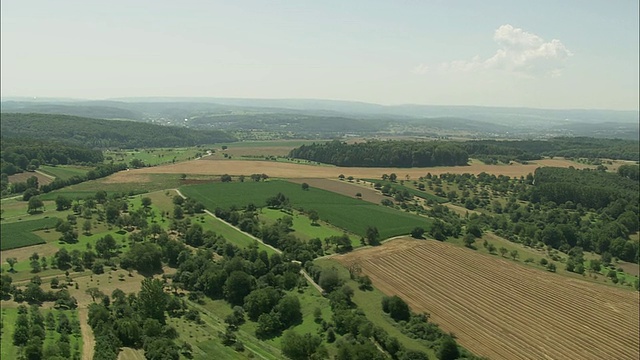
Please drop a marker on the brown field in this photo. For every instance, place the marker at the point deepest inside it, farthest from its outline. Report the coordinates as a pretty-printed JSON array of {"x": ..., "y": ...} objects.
[
  {"x": 126, "y": 177},
  {"x": 345, "y": 188},
  {"x": 22, "y": 177},
  {"x": 291, "y": 170},
  {"x": 258, "y": 150},
  {"x": 23, "y": 253},
  {"x": 501, "y": 310}
]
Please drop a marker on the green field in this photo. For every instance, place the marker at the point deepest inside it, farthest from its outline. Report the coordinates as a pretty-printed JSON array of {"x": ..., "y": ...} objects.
[
  {"x": 341, "y": 211},
  {"x": 64, "y": 172},
  {"x": 274, "y": 143},
  {"x": 20, "y": 234},
  {"x": 154, "y": 156},
  {"x": 302, "y": 227},
  {"x": 412, "y": 190},
  {"x": 7, "y": 349},
  {"x": 151, "y": 182},
  {"x": 231, "y": 234}
]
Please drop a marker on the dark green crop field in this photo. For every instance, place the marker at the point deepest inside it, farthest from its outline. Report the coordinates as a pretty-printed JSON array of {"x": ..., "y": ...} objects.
[
  {"x": 344, "y": 212},
  {"x": 20, "y": 234}
]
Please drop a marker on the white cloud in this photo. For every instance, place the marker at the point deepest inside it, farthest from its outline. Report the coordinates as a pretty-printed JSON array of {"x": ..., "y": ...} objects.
[
  {"x": 421, "y": 69},
  {"x": 519, "y": 52}
]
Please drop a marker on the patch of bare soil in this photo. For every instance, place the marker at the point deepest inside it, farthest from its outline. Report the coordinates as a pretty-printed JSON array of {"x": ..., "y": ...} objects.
[
  {"x": 22, "y": 177},
  {"x": 23, "y": 253},
  {"x": 130, "y": 176},
  {"x": 344, "y": 188}
]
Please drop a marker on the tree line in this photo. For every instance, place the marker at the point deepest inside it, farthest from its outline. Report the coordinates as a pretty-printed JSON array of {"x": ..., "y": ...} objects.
[
  {"x": 384, "y": 153},
  {"x": 439, "y": 153},
  {"x": 18, "y": 155}
]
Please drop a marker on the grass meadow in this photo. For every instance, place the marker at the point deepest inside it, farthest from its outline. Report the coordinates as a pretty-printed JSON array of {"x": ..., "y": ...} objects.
[{"x": 64, "y": 172}]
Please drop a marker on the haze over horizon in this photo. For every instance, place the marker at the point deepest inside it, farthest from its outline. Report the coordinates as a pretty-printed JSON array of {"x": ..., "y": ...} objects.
[{"x": 549, "y": 55}]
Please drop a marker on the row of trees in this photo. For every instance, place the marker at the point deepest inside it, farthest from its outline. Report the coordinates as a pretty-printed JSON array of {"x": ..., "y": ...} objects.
[
  {"x": 138, "y": 321},
  {"x": 574, "y": 147},
  {"x": 423, "y": 154},
  {"x": 30, "y": 331}
]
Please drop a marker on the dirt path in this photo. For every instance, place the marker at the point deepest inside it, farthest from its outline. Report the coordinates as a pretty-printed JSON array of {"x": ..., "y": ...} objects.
[
  {"x": 88, "y": 342},
  {"x": 46, "y": 175}
]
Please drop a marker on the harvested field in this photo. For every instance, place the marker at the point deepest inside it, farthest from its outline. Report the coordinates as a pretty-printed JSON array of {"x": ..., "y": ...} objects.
[
  {"x": 501, "y": 310},
  {"x": 629, "y": 268},
  {"x": 344, "y": 188},
  {"x": 22, "y": 177},
  {"x": 259, "y": 150},
  {"x": 291, "y": 170},
  {"x": 126, "y": 177}
]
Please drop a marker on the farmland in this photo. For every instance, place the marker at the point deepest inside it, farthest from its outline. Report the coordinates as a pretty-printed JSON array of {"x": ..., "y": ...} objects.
[
  {"x": 20, "y": 234},
  {"x": 212, "y": 166},
  {"x": 499, "y": 309},
  {"x": 341, "y": 211},
  {"x": 64, "y": 172}
]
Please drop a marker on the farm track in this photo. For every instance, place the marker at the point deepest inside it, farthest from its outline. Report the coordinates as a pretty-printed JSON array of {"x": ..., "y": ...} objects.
[{"x": 502, "y": 310}]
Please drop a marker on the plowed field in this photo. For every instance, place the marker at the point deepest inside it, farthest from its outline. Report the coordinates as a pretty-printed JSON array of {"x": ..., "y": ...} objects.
[{"x": 502, "y": 310}]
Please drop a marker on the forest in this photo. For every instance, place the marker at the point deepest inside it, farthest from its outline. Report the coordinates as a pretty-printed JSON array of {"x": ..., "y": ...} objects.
[
  {"x": 18, "y": 155},
  {"x": 384, "y": 153},
  {"x": 96, "y": 133},
  {"x": 570, "y": 147},
  {"x": 438, "y": 153}
]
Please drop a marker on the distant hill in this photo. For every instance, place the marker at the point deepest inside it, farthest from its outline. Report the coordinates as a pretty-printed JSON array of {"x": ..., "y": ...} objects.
[
  {"x": 104, "y": 133},
  {"x": 77, "y": 109},
  {"x": 330, "y": 118}
]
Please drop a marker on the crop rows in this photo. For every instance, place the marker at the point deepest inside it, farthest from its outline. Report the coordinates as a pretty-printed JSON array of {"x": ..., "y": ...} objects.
[{"x": 505, "y": 311}]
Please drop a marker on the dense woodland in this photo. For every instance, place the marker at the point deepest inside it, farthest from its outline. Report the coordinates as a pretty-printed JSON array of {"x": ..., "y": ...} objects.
[
  {"x": 95, "y": 133},
  {"x": 438, "y": 153},
  {"x": 19, "y": 155},
  {"x": 571, "y": 147},
  {"x": 384, "y": 153}
]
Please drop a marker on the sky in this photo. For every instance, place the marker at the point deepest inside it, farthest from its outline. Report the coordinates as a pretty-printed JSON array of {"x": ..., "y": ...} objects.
[{"x": 520, "y": 53}]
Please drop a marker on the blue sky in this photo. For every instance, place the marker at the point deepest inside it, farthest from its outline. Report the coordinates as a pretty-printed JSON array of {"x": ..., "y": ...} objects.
[{"x": 544, "y": 54}]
